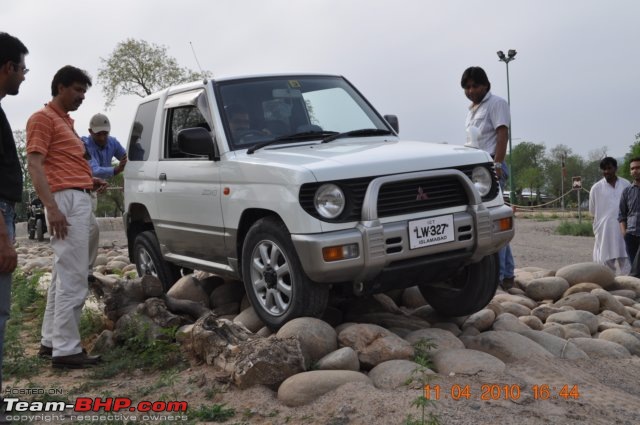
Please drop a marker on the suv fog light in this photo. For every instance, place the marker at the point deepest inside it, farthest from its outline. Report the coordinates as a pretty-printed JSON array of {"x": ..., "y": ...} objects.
[
  {"x": 503, "y": 224},
  {"x": 341, "y": 252}
]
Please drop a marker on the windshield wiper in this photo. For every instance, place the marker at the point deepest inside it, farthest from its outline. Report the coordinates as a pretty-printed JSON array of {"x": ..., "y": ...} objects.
[
  {"x": 357, "y": 133},
  {"x": 305, "y": 135}
]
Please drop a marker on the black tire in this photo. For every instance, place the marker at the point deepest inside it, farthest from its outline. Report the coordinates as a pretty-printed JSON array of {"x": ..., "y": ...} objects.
[
  {"x": 40, "y": 229},
  {"x": 282, "y": 293},
  {"x": 146, "y": 254},
  {"x": 467, "y": 292}
]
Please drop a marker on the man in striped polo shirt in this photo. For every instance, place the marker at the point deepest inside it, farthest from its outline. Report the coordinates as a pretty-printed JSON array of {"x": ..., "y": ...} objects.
[{"x": 62, "y": 177}]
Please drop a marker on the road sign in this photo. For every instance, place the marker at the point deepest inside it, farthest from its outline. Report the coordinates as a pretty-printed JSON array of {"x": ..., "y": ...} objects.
[{"x": 577, "y": 183}]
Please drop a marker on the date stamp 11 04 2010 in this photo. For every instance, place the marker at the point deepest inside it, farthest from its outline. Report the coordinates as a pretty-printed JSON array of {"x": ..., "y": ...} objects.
[{"x": 488, "y": 392}]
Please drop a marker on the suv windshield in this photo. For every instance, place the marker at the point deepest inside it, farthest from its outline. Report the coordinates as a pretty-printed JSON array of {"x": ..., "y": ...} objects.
[{"x": 289, "y": 109}]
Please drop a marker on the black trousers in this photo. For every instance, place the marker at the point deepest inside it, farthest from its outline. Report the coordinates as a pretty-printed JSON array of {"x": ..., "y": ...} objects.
[{"x": 632, "y": 243}]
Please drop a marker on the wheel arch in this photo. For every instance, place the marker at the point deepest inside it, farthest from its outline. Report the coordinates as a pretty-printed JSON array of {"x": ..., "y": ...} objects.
[
  {"x": 138, "y": 220},
  {"x": 248, "y": 218}
]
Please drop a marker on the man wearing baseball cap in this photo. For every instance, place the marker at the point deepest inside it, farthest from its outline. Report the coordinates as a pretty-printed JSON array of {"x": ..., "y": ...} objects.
[{"x": 101, "y": 148}]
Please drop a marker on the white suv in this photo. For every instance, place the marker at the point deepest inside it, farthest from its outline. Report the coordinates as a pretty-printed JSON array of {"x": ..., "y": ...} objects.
[{"x": 296, "y": 185}]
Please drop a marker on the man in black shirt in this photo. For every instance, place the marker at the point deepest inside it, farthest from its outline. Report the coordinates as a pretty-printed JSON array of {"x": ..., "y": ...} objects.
[
  {"x": 12, "y": 72},
  {"x": 629, "y": 217}
]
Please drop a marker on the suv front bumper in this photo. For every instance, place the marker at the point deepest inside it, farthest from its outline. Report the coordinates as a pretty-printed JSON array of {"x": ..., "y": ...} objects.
[{"x": 385, "y": 247}]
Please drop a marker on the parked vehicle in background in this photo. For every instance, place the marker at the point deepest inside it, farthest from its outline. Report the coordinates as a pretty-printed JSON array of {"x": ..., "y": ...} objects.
[
  {"x": 296, "y": 185},
  {"x": 36, "y": 220}
]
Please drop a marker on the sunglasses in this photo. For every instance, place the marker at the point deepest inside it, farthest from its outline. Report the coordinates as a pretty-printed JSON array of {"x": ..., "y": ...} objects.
[{"x": 18, "y": 67}]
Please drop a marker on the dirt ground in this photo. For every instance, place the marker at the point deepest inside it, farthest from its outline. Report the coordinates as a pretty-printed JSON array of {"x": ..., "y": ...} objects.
[{"x": 605, "y": 391}]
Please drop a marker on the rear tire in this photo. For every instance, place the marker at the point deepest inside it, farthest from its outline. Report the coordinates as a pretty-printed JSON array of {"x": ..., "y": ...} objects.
[
  {"x": 276, "y": 284},
  {"x": 146, "y": 254},
  {"x": 467, "y": 292}
]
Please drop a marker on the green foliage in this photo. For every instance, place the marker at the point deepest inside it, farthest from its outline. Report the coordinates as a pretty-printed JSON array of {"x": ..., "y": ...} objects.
[
  {"x": 585, "y": 228},
  {"x": 215, "y": 413},
  {"x": 421, "y": 352},
  {"x": 91, "y": 323},
  {"x": 27, "y": 308},
  {"x": 111, "y": 202},
  {"x": 526, "y": 160},
  {"x": 624, "y": 169},
  {"x": 141, "y": 350},
  {"x": 28, "y": 192},
  {"x": 140, "y": 68},
  {"x": 422, "y": 376}
]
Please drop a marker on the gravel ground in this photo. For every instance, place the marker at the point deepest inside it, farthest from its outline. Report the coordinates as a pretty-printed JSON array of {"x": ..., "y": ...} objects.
[
  {"x": 608, "y": 389},
  {"x": 536, "y": 244}
]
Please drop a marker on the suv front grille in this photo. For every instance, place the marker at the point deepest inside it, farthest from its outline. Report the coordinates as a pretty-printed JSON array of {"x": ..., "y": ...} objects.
[
  {"x": 398, "y": 197},
  {"x": 406, "y": 197}
]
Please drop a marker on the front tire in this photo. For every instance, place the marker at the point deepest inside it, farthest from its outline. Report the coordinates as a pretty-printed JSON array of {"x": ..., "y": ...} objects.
[
  {"x": 467, "y": 292},
  {"x": 276, "y": 284},
  {"x": 146, "y": 254}
]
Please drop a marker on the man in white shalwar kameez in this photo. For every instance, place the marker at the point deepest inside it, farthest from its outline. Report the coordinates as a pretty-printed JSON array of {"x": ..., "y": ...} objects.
[{"x": 604, "y": 200}]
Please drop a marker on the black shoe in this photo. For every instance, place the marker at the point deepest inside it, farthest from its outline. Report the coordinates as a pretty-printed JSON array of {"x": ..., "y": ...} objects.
[
  {"x": 45, "y": 352},
  {"x": 507, "y": 283},
  {"x": 74, "y": 361}
]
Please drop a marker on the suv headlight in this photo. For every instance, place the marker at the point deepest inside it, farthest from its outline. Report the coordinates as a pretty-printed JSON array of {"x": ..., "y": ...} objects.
[
  {"x": 329, "y": 201},
  {"x": 482, "y": 180}
]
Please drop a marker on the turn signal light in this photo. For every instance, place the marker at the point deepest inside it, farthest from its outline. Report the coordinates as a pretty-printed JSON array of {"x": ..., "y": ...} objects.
[
  {"x": 340, "y": 252},
  {"x": 503, "y": 224}
]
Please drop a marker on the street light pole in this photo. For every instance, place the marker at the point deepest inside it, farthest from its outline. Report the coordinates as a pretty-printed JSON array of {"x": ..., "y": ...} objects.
[{"x": 511, "y": 55}]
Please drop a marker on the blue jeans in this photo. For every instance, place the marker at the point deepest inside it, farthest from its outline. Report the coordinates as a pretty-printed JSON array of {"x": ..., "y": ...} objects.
[
  {"x": 8, "y": 213},
  {"x": 507, "y": 264}
]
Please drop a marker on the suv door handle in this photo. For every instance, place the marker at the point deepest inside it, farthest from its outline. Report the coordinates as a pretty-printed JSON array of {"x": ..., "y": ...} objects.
[{"x": 162, "y": 177}]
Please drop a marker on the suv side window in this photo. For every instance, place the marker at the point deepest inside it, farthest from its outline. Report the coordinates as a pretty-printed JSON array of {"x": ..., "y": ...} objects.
[
  {"x": 140, "y": 140},
  {"x": 178, "y": 119}
]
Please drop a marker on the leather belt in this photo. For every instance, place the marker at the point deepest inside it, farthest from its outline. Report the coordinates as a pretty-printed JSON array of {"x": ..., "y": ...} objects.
[{"x": 81, "y": 189}]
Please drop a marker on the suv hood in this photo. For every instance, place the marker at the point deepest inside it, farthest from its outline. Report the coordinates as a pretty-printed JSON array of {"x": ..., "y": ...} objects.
[{"x": 351, "y": 158}]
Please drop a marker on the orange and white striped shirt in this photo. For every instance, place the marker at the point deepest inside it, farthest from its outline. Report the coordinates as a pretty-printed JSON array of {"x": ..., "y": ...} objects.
[{"x": 50, "y": 132}]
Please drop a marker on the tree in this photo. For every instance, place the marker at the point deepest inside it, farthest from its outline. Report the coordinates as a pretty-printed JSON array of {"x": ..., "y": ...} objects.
[
  {"x": 141, "y": 68},
  {"x": 111, "y": 202},
  {"x": 527, "y": 162},
  {"x": 623, "y": 169},
  {"x": 20, "y": 137}
]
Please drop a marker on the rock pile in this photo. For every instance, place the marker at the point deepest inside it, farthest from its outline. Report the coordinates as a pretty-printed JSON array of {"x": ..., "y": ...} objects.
[{"x": 580, "y": 311}]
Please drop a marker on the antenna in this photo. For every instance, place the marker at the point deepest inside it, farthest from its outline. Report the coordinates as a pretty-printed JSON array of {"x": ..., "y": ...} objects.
[{"x": 198, "y": 63}]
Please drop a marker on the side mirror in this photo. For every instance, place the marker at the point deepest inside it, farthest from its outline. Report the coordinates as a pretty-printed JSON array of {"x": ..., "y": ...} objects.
[
  {"x": 393, "y": 122},
  {"x": 197, "y": 141}
]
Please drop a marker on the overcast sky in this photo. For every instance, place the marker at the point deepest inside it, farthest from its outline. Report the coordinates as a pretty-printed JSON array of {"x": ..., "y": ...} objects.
[{"x": 574, "y": 80}]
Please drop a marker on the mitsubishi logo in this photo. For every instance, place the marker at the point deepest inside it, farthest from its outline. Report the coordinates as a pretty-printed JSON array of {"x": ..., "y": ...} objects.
[{"x": 422, "y": 195}]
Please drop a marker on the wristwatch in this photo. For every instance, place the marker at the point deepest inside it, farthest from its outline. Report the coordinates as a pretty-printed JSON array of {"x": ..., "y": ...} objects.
[{"x": 497, "y": 165}]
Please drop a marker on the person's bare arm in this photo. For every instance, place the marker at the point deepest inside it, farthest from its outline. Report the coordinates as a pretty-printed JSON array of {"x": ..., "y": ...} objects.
[
  {"x": 623, "y": 228},
  {"x": 57, "y": 221},
  {"x": 8, "y": 256},
  {"x": 120, "y": 167},
  {"x": 502, "y": 138}
]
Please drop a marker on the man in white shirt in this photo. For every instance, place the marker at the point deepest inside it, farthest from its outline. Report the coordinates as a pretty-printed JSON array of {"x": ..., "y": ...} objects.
[
  {"x": 489, "y": 119},
  {"x": 604, "y": 200}
]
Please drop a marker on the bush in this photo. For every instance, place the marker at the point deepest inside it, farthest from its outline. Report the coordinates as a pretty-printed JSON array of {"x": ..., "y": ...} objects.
[{"x": 584, "y": 228}]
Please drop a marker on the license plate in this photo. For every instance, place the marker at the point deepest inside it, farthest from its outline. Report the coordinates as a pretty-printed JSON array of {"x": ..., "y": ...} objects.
[{"x": 431, "y": 231}]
